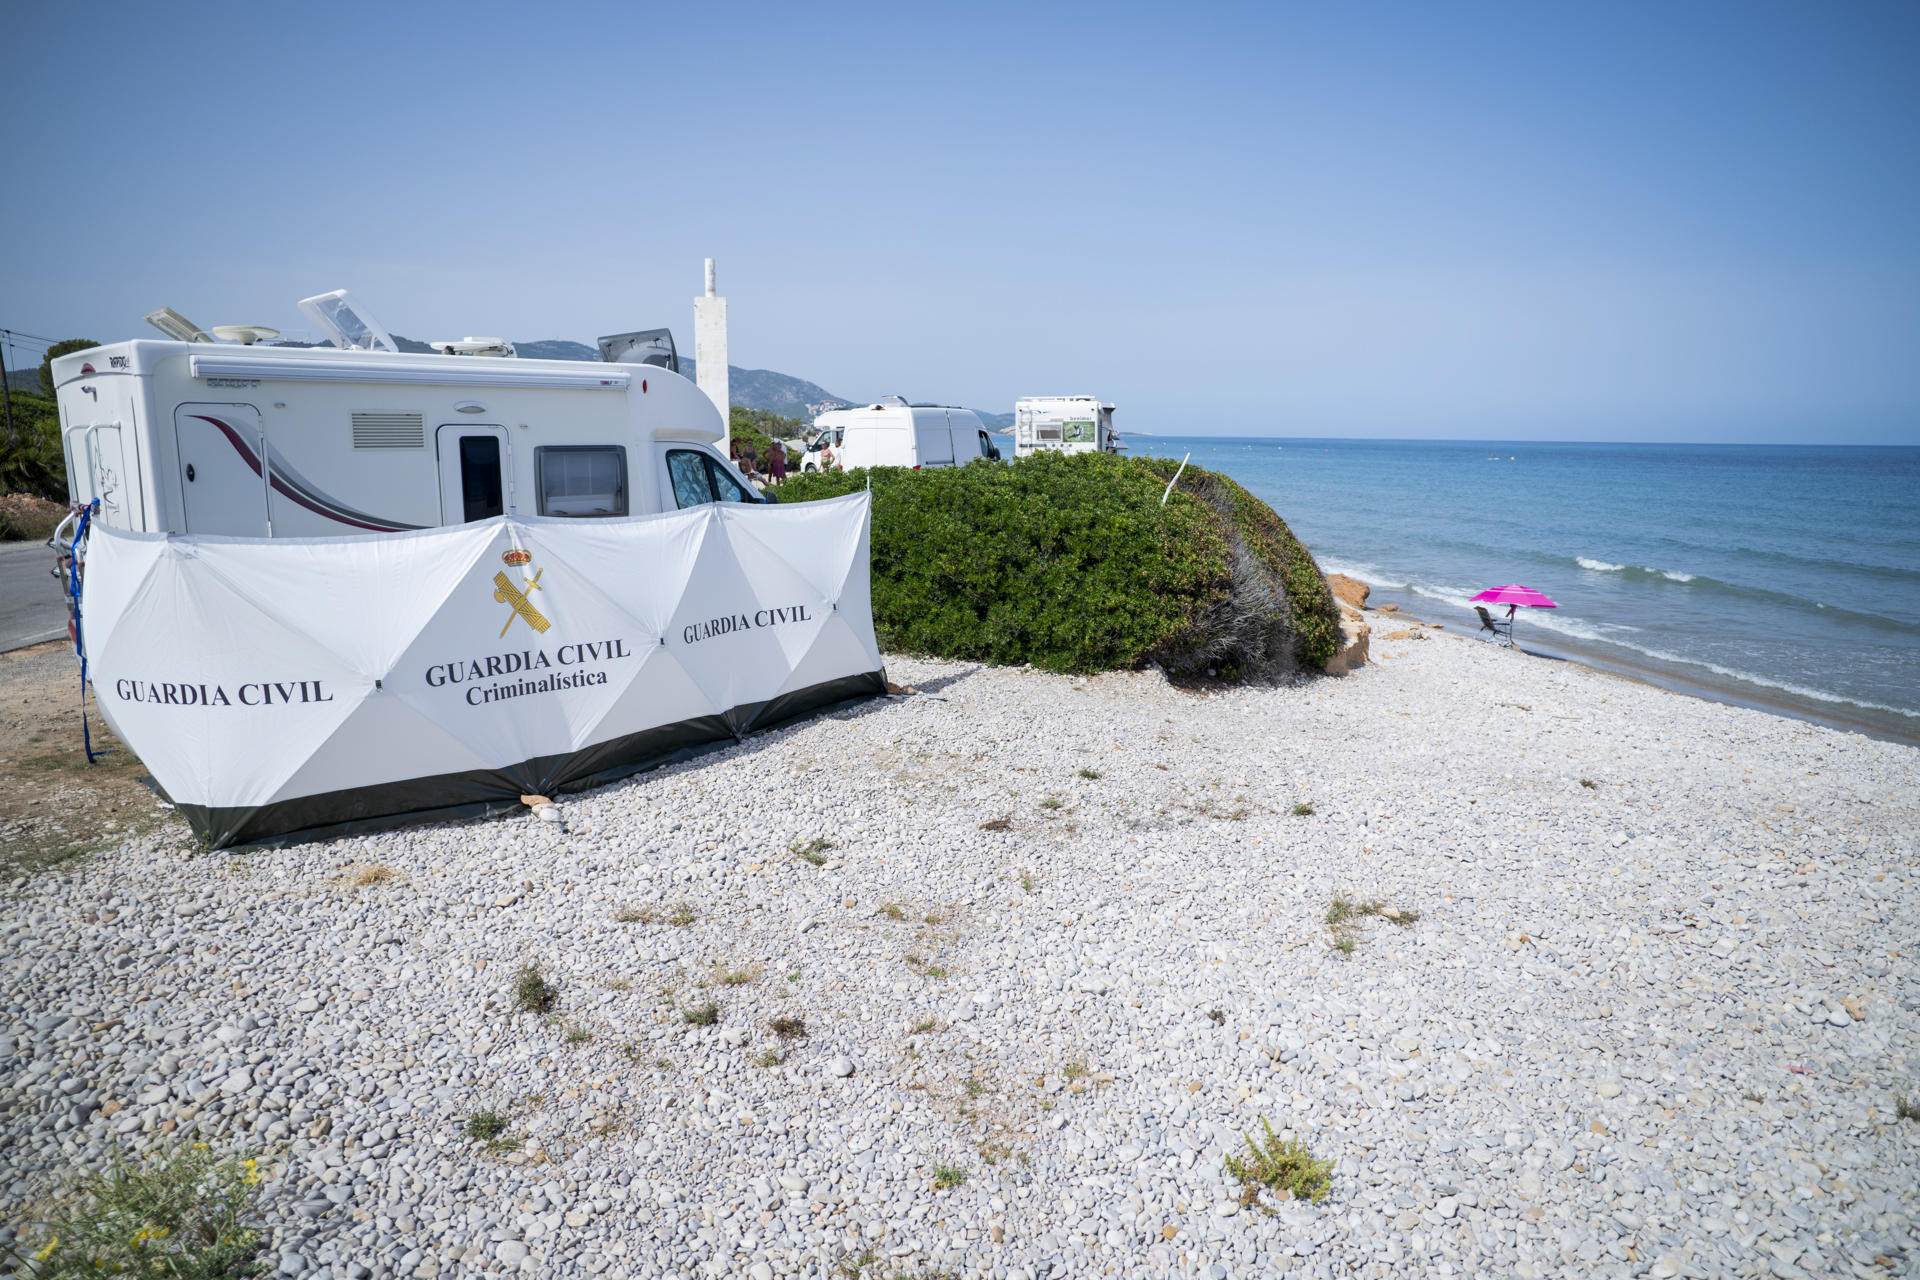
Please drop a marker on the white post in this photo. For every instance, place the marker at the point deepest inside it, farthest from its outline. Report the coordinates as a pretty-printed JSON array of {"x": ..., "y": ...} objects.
[
  {"x": 710, "y": 354},
  {"x": 1176, "y": 478}
]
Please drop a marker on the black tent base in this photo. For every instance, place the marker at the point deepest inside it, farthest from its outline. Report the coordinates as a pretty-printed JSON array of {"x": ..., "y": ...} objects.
[{"x": 479, "y": 793}]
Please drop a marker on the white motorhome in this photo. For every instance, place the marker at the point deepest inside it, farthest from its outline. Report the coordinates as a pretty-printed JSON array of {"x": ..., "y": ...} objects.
[
  {"x": 196, "y": 436},
  {"x": 1063, "y": 424},
  {"x": 894, "y": 433}
]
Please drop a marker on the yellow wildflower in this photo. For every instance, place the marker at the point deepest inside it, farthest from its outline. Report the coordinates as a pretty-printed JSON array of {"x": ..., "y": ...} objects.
[
  {"x": 250, "y": 1171},
  {"x": 148, "y": 1234},
  {"x": 47, "y": 1250}
]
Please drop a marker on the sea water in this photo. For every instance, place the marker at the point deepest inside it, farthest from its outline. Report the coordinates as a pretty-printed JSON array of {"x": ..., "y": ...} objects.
[{"x": 1777, "y": 576}]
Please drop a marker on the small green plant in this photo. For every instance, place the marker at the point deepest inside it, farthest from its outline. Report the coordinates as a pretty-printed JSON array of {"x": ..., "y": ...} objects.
[
  {"x": 947, "y": 1176},
  {"x": 182, "y": 1213},
  {"x": 923, "y": 1026},
  {"x": 853, "y": 1266},
  {"x": 1027, "y": 881},
  {"x": 1052, "y": 802},
  {"x": 1340, "y": 911},
  {"x": 794, "y": 976},
  {"x": 975, "y": 1088},
  {"x": 663, "y": 1064},
  {"x": 788, "y": 1027},
  {"x": 1075, "y": 1069},
  {"x": 1302, "y": 810},
  {"x": 1589, "y": 784},
  {"x": 1286, "y": 1169},
  {"x": 814, "y": 850},
  {"x": 579, "y": 1035},
  {"x": 485, "y": 1126},
  {"x": 701, "y": 1015},
  {"x": 682, "y": 915},
  {"x": 634, "y": 915},
  {"x": 936, "y": 971},
  {"x": 1091, "y": 775},
  {"x": 771, "y": 1058},
  {"x": 532, "y": 993},
  {"x": 1754, "y": 1097},
  {"x": 1343, "y": 915},
  {"x": 893, "y": 911},
  {"x": 1906, "y": 1108},
  {"x": 1002, "y": 823},
  {"x": 738, "y": 977}
]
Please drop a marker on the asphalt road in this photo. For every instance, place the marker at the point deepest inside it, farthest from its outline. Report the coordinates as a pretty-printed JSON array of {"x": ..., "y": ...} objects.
[{"x": 32, "y": 607}]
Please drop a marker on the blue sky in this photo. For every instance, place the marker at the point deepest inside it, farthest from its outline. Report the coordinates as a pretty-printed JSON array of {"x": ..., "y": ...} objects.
[{"x": 1629, "y": 221}]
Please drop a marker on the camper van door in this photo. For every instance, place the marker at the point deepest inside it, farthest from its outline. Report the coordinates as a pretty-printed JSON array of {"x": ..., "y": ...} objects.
[
  {"x": 220, "y": 448},
  {"x": 476, "y": 472},
  {"x": 933, "y": 439},
  {"x": 101, "y": 468}
]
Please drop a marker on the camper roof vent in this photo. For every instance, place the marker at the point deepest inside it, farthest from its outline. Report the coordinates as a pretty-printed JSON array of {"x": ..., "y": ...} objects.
[
  {"x": 176, "y": 326},
  {"x": 346, "y": 323},
  {"x": 901, "y": 401},
  {"x": 389, "y": 431},
  {"x": 642, "y": 346}
]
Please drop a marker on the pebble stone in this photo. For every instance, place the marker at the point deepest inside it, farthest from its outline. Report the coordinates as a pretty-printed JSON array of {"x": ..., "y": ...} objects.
[{"x": 1075, "y": 936}]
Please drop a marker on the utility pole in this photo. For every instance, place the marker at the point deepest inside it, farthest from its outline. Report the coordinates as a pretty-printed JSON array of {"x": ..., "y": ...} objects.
[{"x": 6, "y": 392}]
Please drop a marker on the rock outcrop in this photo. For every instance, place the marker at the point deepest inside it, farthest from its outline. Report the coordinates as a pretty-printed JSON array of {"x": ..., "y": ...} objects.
[
  {"x": 1348, "y": 590},
  {"x": 1354, "y": 632}
]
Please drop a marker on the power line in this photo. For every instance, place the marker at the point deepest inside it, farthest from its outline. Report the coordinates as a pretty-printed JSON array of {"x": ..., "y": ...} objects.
[{"x": 14, "y": 336}]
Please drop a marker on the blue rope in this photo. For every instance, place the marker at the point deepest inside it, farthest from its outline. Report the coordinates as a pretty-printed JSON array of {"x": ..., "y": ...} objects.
[{"x": 79, "y": 644}]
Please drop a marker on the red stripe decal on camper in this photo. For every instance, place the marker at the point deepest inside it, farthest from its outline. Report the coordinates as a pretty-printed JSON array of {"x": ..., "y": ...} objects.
[{"x": 317, "y": 503}]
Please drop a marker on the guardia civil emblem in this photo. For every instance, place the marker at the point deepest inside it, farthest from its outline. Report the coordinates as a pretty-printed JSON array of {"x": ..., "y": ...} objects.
[{"x": 515, "y": 595}]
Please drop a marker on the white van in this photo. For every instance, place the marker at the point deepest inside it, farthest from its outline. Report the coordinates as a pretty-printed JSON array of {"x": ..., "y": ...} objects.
[
  {"x": 894, "y": 433},
  {"x": 198, "y": 436}
]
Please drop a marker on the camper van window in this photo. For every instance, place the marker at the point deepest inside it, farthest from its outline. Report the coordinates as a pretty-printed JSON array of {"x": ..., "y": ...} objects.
[
  {"x": 688, "y": 471},
  {"x": 582, "y": 480},
  {"x": 482, "y": 494},
  {"x": 725, "y": 487}
]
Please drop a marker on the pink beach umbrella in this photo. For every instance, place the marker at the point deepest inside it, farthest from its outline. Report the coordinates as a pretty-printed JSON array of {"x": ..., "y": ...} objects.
[{"x": 1513, "y": 596}]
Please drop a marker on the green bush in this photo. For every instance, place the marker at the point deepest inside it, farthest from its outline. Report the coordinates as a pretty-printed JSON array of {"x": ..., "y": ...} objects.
[
  {"x": 1071, "y": 563},
  {"x": 1315, "y": 616},
  {"x": 31, "y": 459}
]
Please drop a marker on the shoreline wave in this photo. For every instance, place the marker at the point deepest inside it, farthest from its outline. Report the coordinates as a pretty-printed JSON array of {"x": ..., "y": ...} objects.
[{"x": 1575, "y": 629}]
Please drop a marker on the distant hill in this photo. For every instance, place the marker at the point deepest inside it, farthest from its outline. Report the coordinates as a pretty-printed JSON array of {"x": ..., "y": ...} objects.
[
  {"x": 764, "y": 389},
  {"x": 556, "y": 349}
]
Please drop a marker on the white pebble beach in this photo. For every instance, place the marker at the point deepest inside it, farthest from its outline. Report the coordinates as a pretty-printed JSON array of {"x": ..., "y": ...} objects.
[{"x": 1647, "y": 1011}]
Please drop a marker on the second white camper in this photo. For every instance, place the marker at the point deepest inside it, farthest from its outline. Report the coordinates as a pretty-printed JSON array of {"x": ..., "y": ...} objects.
[
  {"x": 894, "y": 433},
  {"x": 1062, "y": 424}
]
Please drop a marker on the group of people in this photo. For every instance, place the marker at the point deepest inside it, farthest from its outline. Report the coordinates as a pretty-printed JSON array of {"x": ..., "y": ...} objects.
[{"x": 761, "y": 472}]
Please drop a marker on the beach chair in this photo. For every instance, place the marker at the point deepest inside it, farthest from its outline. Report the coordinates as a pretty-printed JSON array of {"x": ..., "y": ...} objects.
[{"x": 1502, "y": 628}]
